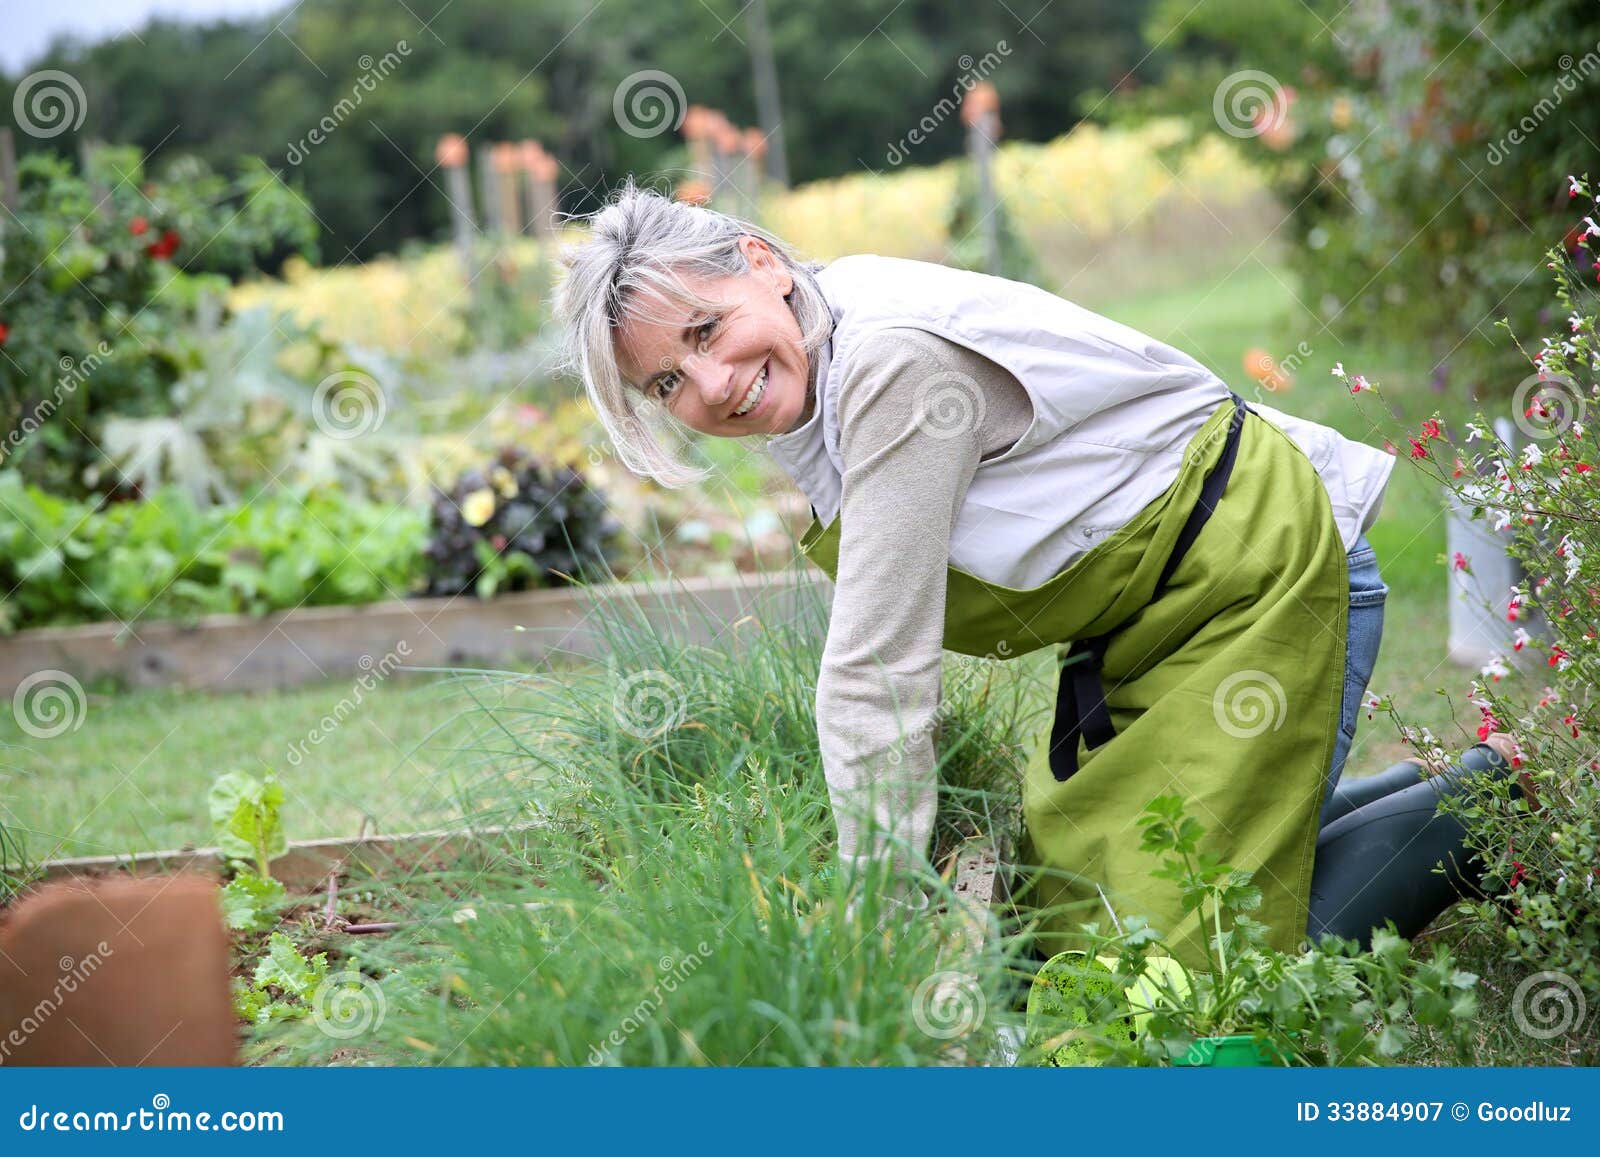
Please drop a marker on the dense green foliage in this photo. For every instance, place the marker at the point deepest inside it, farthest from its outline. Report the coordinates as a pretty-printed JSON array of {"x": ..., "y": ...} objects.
[
  {"x": 101, "y": 276},
  {"x": 1424, "y": 148},
  {"x": 854, "y": 75},
  {"x": 1331, "y": 1004},
  {"x": 65, "y": 562}
]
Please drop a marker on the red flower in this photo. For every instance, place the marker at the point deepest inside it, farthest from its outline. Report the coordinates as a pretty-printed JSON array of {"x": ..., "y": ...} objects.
[
  {"x": 1460, "y": 561},
  {"x": 498, "y": 542},
  {"x": 1418, "y": 449},
  {"x": 1582, "y": 467},
  {"x": 5, "y": 332},
  {"x": 138, "y": 226},
  {"x": 1571, "y": 721},
  {"x": 166, "y": 247},
  {"x": 1430, "y": 428},
  {"x": 1511, "y": 610},
  {"x": 1557, "y": 653}
]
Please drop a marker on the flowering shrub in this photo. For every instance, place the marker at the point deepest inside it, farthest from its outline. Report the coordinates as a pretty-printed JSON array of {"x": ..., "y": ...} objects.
[
  {"x": 1418, "y": 145},
  {"x": 101, "y": 270},
  {"x": 1544, "y": 861},
  {"x": 516, "y": 524}
]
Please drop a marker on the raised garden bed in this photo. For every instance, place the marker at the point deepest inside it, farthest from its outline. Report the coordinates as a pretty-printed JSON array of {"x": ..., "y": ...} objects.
[{"x": 239, "y": 653}]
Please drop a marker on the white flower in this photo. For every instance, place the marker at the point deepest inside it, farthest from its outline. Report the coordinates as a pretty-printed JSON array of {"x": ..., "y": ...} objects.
[
  {"x": 1532, "y": 455},
  {"x": 462, "y": 915},
  {"x": 1496, "y": 668},
  {"x": 1338, "y": 371}
]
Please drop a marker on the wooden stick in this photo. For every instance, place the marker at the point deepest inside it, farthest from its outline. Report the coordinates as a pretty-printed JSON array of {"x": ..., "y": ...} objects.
[{"x": 10, "y": 191}]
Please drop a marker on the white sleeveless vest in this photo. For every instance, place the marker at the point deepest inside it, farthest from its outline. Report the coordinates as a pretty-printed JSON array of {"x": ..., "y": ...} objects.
[{"x": 1113, "y": 410}]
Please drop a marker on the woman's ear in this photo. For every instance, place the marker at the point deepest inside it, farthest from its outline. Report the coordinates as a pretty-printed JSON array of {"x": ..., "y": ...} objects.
[{"x": 760, "y": 256}]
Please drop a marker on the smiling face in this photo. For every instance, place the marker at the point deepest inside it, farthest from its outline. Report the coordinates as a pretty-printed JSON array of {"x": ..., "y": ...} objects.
[{"x": 704, "y": 368}]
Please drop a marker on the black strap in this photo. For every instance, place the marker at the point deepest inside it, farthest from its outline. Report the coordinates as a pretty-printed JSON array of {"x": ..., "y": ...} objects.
[{"x": 1081, "y": 710}]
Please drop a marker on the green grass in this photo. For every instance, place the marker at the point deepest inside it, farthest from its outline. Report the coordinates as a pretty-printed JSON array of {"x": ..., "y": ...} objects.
[
  {"x": 134, "y": 775},
  {"x": 680, "y": 902}
]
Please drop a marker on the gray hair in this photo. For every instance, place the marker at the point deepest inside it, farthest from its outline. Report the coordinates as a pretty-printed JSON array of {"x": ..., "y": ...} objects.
[{"x": 643, "y": 239}]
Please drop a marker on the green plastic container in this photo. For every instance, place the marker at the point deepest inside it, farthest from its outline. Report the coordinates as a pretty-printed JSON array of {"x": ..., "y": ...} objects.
[{"x": 1238, "y": 1051}]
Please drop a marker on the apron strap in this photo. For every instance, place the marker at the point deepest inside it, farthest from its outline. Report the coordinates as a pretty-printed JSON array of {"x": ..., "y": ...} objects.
[{"x": 1081, "y": 710}]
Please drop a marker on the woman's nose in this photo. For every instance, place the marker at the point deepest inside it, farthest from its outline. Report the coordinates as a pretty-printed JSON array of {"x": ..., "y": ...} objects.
[{"x": 711, "y": 377}]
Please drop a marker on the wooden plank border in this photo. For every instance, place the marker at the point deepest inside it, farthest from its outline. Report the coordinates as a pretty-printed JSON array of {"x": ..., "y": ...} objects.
[
  {"x": 241, "y": 653},
  {"x": 307, "y": 863}
]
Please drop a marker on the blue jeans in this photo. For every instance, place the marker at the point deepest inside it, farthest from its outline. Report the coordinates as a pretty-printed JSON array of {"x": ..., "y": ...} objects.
[{"x": 1367, "y": 593}]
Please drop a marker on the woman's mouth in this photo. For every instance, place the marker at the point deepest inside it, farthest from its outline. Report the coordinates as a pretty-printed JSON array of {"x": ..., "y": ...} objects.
[{"x": 755, "y": 398}]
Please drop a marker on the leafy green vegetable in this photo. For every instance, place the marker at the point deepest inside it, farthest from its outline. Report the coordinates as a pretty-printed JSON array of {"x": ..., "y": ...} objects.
[
  {"x": 284, "y": 968},
  {"x": 283, "y": 985},
  {"x": 249, "y": 902},
  {"x": 245, "y": 811},
  {"x": 166, "y": 558}
]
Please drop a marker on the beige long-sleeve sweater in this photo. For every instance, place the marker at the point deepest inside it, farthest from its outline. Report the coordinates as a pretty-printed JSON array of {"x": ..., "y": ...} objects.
[{"x": 917, "y": 413}]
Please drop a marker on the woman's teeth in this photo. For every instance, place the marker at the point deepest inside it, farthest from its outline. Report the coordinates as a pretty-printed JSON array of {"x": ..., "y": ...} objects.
[{"x": 753, "y": 394}]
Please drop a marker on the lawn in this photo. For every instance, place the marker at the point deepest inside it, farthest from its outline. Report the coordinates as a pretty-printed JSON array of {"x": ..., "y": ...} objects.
[{"x": 134, "y": 776}]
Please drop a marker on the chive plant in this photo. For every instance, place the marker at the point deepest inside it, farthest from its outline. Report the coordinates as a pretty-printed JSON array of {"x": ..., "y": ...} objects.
[{"x": 676, "y": 899}]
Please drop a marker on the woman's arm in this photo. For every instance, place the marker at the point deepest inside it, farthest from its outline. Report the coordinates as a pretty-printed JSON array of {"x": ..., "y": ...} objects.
[{"x": 916, "y": 414}]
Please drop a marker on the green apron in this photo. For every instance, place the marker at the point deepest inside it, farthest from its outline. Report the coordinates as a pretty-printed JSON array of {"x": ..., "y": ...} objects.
[{"x": 1224, "y": 690}]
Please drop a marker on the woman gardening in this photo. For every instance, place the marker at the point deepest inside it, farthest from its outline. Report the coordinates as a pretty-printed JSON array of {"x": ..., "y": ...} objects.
[{"x": 994, "y": 470}]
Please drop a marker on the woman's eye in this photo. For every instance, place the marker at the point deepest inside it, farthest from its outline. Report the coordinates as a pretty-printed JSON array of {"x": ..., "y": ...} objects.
[{"x": 707, "y": 330}]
